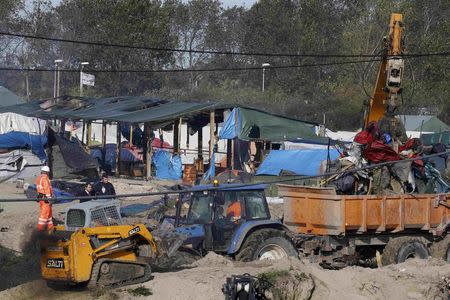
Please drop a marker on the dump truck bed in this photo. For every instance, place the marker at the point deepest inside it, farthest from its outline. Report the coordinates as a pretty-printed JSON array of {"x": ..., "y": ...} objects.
[{"x": 322, "y": 212}]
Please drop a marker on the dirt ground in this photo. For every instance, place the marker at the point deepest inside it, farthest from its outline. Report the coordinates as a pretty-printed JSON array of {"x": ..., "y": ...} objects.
[{"x": 19, "y": 267}]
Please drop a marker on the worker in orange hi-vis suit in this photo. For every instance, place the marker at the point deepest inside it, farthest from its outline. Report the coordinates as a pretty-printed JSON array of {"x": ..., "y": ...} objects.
[
  {"x": 44, "y": 192},
  {"x": 234, "y": 211}
]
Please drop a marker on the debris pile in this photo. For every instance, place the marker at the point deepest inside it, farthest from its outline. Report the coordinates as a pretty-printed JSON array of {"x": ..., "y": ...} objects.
[{"x": 375, "y": 146}]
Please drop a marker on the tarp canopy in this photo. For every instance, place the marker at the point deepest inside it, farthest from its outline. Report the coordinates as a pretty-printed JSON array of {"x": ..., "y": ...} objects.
[
  {"x": 298, "y": 162},
  {"x": 251, "y": 124},
  {"x": 122, "y": 109}
]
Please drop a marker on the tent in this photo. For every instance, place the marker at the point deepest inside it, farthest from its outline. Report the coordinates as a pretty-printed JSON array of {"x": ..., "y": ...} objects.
[
  {"x": 297, "y": 162},
  {"x": 8, "y": 98},
  {"x": 433, "y": 138},
  {"x": 423, "y": 123},
  {"x": 251, "y": 124}
]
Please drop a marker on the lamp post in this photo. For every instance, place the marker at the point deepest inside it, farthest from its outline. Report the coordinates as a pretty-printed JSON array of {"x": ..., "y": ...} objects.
[
  {"x": 84, "y": 63},
  {"x": 57, "y": 76},
  {"x": 264, "y": 66}
]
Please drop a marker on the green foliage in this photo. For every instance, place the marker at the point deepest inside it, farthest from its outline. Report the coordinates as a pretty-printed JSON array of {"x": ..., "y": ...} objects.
[
  {"x": 140, "y": 291},
  {"x": 272, "y": 275}
]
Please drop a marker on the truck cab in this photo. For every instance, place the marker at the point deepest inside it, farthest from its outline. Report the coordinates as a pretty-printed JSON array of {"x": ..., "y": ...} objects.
[{"x": 221, "y": 218}]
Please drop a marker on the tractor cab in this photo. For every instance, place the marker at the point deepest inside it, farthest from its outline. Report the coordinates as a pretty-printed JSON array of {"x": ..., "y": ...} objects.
[{"x": 214, "y": 215}]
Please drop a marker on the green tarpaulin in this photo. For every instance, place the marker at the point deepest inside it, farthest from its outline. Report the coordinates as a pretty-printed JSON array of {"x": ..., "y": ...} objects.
[
  {"x": 259, "y": 125},
  {"x": 433, "y": 138},
  {"x": 423, "y": 123}
]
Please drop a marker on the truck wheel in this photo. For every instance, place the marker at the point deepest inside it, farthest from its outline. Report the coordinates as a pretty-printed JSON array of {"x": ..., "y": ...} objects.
[
  {"x": 266, "y": 244},
  {"x": 441, "y": 249},
  {"x": 399, "y": 249}
]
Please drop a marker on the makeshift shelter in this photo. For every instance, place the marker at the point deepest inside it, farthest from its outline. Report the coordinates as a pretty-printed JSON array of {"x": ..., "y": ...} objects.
[
  {"x": 433, "y": 138},
  {"x": 295, "y": 162},
  {"x": 251, "y": 124},
  {"x": 22, "y": 141},
  {"x": 8, "y": 98},
  {"x": 423, "y": 123}
]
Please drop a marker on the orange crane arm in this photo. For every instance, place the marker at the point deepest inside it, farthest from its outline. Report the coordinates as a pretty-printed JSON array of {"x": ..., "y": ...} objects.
[{"x": 385, "y": 92}]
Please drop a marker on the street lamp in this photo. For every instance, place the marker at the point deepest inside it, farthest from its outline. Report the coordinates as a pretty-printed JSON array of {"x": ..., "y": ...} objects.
[
  {"x": 57, "y": 77},
  {"x": 264, "y": 66},
  {"x": 84, "y": 63}
]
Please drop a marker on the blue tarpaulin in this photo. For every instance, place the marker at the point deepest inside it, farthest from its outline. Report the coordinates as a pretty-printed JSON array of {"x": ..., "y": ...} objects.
[
  {"x": 212, "y": 168},
  {"x": 230, "y": 128},
  {"x": 31, "y": 191},
  {"x": 20, "y": 140},
  {"x": 300, "y": 162},
  {"x": 167, "y": 166},
  {"x": 137, "y": 133}
]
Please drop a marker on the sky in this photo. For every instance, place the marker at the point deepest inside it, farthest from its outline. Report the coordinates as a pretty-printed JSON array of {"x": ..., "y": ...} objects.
[{"x": 226, "y": 3}]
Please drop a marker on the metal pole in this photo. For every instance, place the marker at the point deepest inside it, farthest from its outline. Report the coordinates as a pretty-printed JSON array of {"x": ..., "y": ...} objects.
[
  {"x": 54, "y": 82},
  {"x": 58, "y": 83},
  {"x": 81, "y": 81},
  {"x": 263, "y": 80}
]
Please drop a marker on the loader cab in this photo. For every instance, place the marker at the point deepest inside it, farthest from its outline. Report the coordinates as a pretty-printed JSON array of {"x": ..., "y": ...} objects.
[
  {"x": 104, "y": 212},
  {"x": 215, "y": 215}
]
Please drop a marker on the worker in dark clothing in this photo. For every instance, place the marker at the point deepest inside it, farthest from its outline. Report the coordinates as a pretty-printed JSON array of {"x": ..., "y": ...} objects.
[
  {"x": 87, "y": 191},
  {"x": 104, "y": 187}
]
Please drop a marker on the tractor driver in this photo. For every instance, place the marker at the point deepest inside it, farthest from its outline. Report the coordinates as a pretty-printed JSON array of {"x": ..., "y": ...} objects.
[{"x": 234, "y": 211}]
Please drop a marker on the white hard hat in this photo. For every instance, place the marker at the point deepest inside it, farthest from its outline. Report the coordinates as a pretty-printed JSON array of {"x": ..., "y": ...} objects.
[{"x": 45, "y": 169}]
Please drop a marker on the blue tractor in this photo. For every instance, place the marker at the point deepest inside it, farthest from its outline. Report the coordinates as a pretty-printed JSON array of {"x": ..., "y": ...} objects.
[{"x": 232, "y": 220}]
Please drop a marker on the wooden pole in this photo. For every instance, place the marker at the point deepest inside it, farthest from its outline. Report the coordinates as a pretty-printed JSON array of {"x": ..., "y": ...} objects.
[
  {"x": 148, "y": 151},
  {"x": 131, "y": 135},
  {"x": 187, "y": 136},
  {"x": 118, "y": 140},
  {"x": 176, "y": 135},
  {"x": 212, "y": 128},
  {"x": 229, "y": 166},
  {"x": 88, "y": 135},
  {"x": 103, "y": 141},
  {"x": 200, "y": 149}
]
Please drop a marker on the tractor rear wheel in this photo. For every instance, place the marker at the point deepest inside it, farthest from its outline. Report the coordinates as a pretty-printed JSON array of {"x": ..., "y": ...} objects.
[
  {"x": 264, "y": 244},
  {"x": 441, "y": 249},
  {"x": 400, "y": 249}
]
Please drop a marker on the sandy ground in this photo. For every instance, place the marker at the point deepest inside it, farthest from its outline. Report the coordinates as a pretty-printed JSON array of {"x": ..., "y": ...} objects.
[{"x": 415, "y": 279}]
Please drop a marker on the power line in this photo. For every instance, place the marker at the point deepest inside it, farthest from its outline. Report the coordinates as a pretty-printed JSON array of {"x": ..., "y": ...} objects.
[
  {"x": 213, "y": 188},
  {"x": 163, "y": 49},
  {"x": 191, "y": 70}
]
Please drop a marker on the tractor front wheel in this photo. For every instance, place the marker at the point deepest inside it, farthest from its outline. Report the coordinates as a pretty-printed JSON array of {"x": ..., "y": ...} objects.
[{"x": 268, "y": 244}]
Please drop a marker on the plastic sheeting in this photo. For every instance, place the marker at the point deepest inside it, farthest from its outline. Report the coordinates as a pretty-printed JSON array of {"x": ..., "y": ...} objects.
[
  {"x": 137, "y": 133},
  {"x": 167, "y": 166},
  {"x": 230, "y": 128},
  {"x": 74, "y": 155},
  {"x": 15, "y": 122},
  {"x": 19, "y": 164},
  {"x": 248, "y": 124},
  {"x": 23, "y": 140},
  {"x": 299, "y": 162},
  {"x": 212, "y": 168}
]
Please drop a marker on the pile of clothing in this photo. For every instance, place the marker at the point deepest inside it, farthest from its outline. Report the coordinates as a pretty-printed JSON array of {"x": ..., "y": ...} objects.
[{"x": 373, "y": 146}]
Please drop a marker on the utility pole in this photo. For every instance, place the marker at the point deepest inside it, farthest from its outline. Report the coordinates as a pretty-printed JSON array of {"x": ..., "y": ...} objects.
[
  {"x": 264, "y": 66},
  {"x": 56, "y": 80},
  {"x": 84, "y": 63}
]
